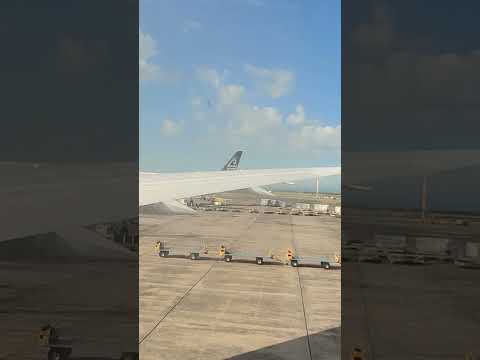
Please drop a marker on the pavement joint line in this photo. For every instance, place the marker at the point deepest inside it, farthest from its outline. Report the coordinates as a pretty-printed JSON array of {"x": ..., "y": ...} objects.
[
  {"x": 175, "y": 305},
  {"x": 172, "y": 307},
  {"x": 309, "y": 347}
]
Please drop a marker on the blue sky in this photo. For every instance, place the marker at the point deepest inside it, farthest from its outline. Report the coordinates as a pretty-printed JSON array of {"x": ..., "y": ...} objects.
[{"x": 223, "y": 75}]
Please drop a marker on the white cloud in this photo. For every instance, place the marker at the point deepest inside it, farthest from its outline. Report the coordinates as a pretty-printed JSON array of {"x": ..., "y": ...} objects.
[
  {"x": 315, "y": 137},
  {"x": 148, "y": 70},
  {"x": 298, "y": 117},
  {"x": 170, "y": 127},
  {"x": 230, "y": 94},
  {"x": 247, "y": 120},
  {"x": 233, "y": 111},
  {"x": 309, "y": 134},
  {"x": 242, "y": 123},
  {"x": 272, "y": 82},
  {"x": 191, "y": 25},
  {"x": 210, "y": 76},
  {"x": 147, "y": 49}
]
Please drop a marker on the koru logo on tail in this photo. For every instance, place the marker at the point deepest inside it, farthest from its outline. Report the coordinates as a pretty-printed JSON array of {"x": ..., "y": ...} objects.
[{"x": 232, "y": 164}]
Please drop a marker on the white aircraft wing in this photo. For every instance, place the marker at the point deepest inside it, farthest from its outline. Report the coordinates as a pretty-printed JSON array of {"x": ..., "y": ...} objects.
[
  {"x": 57, "y": 198},
  {"x": 167, "y": 188}
]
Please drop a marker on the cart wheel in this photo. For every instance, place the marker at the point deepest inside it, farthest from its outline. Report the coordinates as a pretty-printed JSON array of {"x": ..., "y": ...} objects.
[
  {"x": 228, "y": 258},
  {"x": 193, "y": 256},
  {"x": 326, "y": 265},
  {"x": 294, "y": 263},
  {"x": 259, "y": 261}
]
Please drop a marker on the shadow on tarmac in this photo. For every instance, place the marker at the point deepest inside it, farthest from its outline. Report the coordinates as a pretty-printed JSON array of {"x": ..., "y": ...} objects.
[{"x": 323, "y": 345}]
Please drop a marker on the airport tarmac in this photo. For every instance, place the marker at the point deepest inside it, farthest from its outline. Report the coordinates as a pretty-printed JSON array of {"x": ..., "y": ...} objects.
[{"x": 211, "y": 309}]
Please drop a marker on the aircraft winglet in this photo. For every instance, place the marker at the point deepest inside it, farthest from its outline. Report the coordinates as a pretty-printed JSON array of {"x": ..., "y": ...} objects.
[{"x": 232, "y": 164}]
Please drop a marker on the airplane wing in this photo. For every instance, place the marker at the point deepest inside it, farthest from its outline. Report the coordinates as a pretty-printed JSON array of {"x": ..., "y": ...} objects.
[
  {"x": 42, "y": 199},
  {"x": 233, "y": 164},
  {"x": 260, "y": 190},
  {"x": 57, "y": 198},
  {"x": 167, "y": 188}
]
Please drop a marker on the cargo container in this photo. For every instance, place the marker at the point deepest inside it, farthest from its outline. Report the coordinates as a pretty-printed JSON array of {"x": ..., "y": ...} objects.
[
  {"x": 265, "y": 202},
  {"x": 295, "y": 212},
  {"x": 321, "y": 208},
  {"x": 302, "y": 206}
]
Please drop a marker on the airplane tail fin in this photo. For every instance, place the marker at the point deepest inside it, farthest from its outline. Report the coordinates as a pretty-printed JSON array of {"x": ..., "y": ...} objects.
[{"x": 232, "y": 164}]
